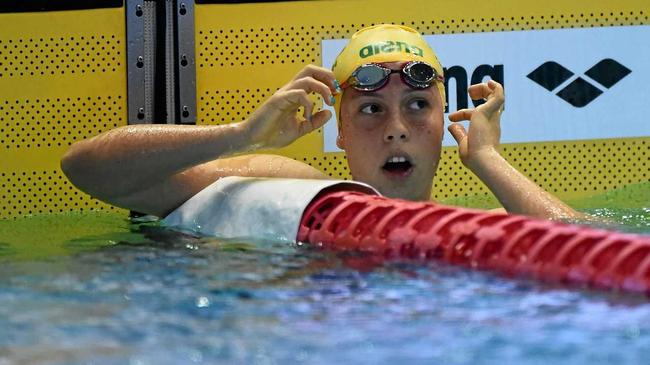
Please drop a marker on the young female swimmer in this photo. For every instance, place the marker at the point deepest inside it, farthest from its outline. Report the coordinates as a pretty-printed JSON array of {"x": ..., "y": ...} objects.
[{"x": 390, "y": 104}]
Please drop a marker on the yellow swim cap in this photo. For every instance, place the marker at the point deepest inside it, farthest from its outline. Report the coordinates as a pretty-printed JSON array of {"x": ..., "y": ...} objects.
[{"x": 383, "y": 43}]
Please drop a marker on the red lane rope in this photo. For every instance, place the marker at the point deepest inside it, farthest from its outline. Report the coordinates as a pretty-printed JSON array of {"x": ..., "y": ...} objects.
[{"x": 509, "y": 244}]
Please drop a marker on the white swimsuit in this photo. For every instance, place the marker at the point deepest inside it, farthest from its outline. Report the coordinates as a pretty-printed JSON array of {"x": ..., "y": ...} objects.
[{"x": 253, "y": 208}]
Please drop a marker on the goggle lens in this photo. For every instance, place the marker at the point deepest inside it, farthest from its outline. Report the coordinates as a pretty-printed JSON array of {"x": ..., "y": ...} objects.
[
  {"x": 419, "y": 72},
  {"x": 370, "y": 77}
]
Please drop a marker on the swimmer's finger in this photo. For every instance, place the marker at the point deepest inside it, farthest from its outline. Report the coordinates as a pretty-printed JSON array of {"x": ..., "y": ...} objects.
[
  {"x": 461, "y": 115},
  {"x": 496, "y": 98},
  {"x": 318, "y": 120},
  {"x": 310, "y": 84},
  {"x": 460, "y": 135},
  {"x": 479, "y": 91},
  {"x": 297, "y": 98},
  {"x": 457, "y": 131},
  {"x": 321, "y": 74},
  {"x": 491, "y": 91},
  {"x": 308, "y": 106}
]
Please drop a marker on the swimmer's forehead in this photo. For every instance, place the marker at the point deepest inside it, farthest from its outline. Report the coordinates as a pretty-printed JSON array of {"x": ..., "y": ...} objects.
[{"x": 394, "y": 64}]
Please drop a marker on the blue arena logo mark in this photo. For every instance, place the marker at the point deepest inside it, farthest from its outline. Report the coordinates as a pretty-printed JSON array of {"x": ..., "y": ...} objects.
[{"x": 579, "y": 92}]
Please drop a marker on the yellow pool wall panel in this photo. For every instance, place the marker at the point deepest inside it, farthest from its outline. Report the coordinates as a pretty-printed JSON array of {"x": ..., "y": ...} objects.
[{"x": 62, "y": 79}]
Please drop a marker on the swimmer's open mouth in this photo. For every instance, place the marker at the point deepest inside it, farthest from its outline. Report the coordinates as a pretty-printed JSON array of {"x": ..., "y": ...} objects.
[{"x": 398, "y": 165}]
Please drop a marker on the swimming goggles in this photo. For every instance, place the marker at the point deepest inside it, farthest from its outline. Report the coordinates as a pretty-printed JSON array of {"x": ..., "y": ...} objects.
[{"x": 373, "y": 76}]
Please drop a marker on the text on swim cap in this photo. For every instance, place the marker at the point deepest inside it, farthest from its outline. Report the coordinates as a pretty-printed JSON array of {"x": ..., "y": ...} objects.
[{"x": 389, "y": 47}]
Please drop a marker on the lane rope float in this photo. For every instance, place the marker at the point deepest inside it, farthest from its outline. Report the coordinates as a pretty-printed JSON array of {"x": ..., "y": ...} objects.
[{"x": 509, "y": 244}]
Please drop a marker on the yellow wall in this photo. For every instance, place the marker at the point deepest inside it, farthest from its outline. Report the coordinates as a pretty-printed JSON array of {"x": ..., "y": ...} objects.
[{"x": 63, "y": 78}]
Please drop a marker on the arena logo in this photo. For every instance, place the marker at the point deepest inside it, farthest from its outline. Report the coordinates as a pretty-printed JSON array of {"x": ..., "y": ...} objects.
[
  {"x": 459, "y": 75},
  {"x": 579, "y": 92},
  {"x": 389, "y": 47}
]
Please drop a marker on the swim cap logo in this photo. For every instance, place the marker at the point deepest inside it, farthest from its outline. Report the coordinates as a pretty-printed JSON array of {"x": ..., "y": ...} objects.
[{"x": 389, "y": 47}]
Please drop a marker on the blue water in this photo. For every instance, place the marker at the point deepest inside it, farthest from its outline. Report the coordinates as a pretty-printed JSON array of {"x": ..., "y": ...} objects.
[{"x": 161, "y": 297}]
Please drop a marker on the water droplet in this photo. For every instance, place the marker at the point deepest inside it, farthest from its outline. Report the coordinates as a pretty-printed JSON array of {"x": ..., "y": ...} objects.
[{"x": 202, "y": 302}]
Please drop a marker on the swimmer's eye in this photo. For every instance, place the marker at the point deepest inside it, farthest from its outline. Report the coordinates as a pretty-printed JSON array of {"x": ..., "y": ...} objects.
[
  {"x": 418, "y": 104},
  {"x": 370, "y": 109}
]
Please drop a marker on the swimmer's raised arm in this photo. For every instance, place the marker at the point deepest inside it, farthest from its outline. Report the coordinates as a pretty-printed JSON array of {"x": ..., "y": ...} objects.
[
  {"x": 478, "y": 150},
  {"x": 155, "y": 168}
]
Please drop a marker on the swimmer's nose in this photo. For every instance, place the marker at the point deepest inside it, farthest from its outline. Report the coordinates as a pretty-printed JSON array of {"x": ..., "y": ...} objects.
[
  {"x": 396, "y": 130},
  {"x": 391, "y": 137}
]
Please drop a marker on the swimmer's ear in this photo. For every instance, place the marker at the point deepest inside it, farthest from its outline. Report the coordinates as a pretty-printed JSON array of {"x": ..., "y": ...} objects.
[{"x": 340, "y": 143}]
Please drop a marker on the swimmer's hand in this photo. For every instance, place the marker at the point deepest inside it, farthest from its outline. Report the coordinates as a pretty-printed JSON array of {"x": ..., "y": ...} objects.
[
  {"x": 276, "y": 123},
  {"x": 485, "y": 124},
  {"x": 478, "y": 150}
]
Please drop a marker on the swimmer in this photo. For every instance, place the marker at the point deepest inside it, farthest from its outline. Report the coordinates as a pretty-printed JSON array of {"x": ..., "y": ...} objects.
[{"x": 387, "y": 88}]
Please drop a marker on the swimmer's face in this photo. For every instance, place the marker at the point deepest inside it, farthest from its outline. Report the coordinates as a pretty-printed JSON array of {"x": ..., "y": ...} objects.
[{"x": 392, "y": 137}]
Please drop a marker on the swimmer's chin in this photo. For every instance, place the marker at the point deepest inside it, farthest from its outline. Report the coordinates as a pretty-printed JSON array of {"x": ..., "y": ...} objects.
[{"x": 405, "y": 193}]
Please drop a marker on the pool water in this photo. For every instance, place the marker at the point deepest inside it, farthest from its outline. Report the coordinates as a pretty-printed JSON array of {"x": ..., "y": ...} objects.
[{"x": 95, "y": 288}]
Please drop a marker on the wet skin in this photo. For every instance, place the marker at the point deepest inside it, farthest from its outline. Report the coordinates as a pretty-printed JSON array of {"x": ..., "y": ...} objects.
[{"x": 392, "y": 137}]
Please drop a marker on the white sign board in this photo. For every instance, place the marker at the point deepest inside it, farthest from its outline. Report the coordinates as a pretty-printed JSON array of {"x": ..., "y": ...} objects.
[{"x": 565, "y": 84}]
